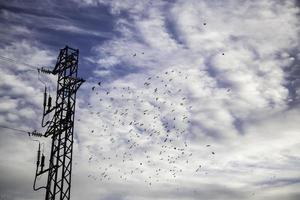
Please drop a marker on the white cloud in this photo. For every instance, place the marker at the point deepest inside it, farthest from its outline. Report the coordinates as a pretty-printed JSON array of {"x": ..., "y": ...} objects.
[
  {"x": 175, "y": 102},
  {"x": 75, "y": 29},
  {"x": 21, "y": 96},
  {"x": 225, "y": 58}
]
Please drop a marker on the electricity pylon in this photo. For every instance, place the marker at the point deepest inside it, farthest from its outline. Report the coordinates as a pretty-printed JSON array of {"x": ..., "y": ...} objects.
[{"x": 61, "y": 126}]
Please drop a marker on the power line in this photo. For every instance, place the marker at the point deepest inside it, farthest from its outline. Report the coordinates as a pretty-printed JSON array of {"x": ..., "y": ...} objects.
[
  {"x": 29, "y": 65},
  {"x": 17, "y": 62},
  {"x": 33, "y": 133},
  {"x": 39, "y": 70},
  {"x": 15, "y": 129}
]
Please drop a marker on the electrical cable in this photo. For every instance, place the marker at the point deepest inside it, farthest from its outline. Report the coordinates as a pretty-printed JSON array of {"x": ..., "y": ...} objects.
[
  {"x": 19, "y": 130},
  {"x": 36, "y": 172},
  {"x": 29, "y": 65},
  {"x": 38, "y": 70},
  {"x": 15, "y": 129},
  {"x": 17, "y": 62},
  {"x": 34, "y": 133}
]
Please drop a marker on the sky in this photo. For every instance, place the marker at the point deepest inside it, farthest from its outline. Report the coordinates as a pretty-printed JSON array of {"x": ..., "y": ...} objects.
[{"x": 183, "y": 99}]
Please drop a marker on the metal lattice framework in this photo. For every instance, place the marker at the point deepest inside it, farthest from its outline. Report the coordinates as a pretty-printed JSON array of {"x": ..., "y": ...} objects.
[{"x": 61, "y": 127}]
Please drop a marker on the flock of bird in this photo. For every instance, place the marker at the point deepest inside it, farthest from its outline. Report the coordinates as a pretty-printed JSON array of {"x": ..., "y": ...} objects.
[{"x": 142, "y": 130}]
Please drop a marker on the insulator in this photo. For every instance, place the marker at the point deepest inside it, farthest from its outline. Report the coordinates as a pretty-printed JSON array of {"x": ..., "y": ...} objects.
[
  {"x": 36, "y": 134},
  {"x": 46, "y": 71},
  {"x": 38, "y": 156},
  {"x": 49, "y": 102},
  {"x": 45, "y": 97},
  {"x": 42, "y": 162}
]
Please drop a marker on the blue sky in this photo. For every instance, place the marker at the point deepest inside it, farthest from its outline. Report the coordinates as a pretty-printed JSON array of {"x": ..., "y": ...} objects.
[{"x": 198, "y": 99}]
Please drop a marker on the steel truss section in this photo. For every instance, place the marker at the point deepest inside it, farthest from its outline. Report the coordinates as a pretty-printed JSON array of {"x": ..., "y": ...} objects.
[{"x": 61, "y": 127}]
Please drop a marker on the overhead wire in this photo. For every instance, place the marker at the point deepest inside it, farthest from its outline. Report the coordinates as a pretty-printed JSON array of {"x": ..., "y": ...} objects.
[
  {"x": 17, "y": 62},
  {"x": 24, "y": 63},
  {"x": 33, "y": 133},
  {"x": 15, "y": 129},
  {"x": 41, "y": 79},
  {"x": 35, "y": 140},
  {"x": 20, "y": 130},
  {"x": 29, "y": 65},
  {"x": 33, "y": 68}
]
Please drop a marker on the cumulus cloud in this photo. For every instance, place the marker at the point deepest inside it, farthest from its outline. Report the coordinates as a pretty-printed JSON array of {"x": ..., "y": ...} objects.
[
  {"x": 18, "y": 84},
  {"x": 20, "y": 108},
  {"x": 189, "y": 100},
  {"x": 229, "y": 63}
]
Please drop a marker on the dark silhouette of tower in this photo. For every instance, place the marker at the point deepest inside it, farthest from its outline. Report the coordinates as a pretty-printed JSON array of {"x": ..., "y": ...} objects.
[{"x": 61, "y": 126}]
